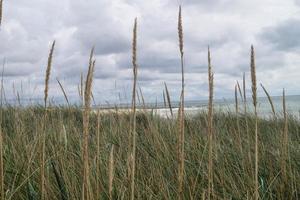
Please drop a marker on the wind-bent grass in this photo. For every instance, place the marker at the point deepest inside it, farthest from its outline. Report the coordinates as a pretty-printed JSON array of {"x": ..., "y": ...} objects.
[
  {"x": 240, "y": 90},
  {"x": 269, "y": 99},
  {"x": 63, "y": 91},
  {"x": 169, "y": 100}
]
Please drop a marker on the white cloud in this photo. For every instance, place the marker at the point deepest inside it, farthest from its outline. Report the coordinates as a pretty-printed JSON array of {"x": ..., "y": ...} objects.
[{"x": 228, "y": 26}]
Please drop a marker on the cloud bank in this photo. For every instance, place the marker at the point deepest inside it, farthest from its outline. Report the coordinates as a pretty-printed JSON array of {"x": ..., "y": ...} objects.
[{"x": 228, "y": 26}]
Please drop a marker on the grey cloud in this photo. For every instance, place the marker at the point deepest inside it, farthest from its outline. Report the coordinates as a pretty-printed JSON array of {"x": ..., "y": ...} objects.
[
  {"x": 204, "y": 2},
  {"x": 73, "y": 67},
  {"x": 211, "y": 5},
  {"x": 17, "y": 69},
  {"x": 29, "y": 26},
  {"x": 105, "y": 41},
  {"x": 283, "y": 37},
  {"x": 103, "y": 74},
  {"x": 161, "y": 64}
]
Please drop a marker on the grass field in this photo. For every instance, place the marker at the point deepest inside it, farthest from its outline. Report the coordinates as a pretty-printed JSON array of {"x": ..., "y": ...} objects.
[
  {"x": 69, "y": 152},
  {"x": 156, "y": 155}
]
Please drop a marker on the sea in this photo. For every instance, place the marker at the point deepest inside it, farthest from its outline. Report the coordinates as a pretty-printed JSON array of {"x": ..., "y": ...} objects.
[
  {"x": 264, "y": 108},
  {"x": 191, "y": 107}
]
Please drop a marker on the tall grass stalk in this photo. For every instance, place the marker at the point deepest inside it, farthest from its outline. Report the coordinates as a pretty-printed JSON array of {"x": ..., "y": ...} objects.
[
  {"x": 210, "y": 127},
  {"x": 164, "y": 98},
  {"x": 236, "y": 99},
  {"x": 284, "y": 154},
  {"x": 244, "y": 93},
  {"x": 135, "y": 66},
  {"x": 47, "y": 77},
  {"x": 81, "y": 88},
  {"x": 98, "y": 184},
  {"x": 2, "y": 92},
  {"x": 237, "y": 87},
  {"x": 2, "y": 196},
  {"x": 254, "y": 99},
  {"x": 247, "y": 125},
  {"x": 86, "y": 118},
  {"x": 111, "y": 172},
  {"x": 181, "y": 116},
  {"x": 43, "y": 138},
  {"x": 142, "y": 98}
]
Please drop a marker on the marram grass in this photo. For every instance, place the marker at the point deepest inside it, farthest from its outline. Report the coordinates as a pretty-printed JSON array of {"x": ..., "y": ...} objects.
[
  {"x": 156, "y": 156},
  {"x": 88, "y": 154}
]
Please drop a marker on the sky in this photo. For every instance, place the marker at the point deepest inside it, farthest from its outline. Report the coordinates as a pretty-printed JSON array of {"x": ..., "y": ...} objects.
[{"x": 229, "y": 27}]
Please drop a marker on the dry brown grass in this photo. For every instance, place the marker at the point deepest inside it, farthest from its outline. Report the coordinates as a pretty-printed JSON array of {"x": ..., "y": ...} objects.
[
  {"x": 43, "y": 137},
  {"x": 154, "y": 163},
  {"x": 98, "y": 184},
  {"x": 181, "y": 112},
  {"x": 48, "y": 70},
  {"x": 81, "y": 88},
  {"x": 135, "y": 66},
  {"x": 254, "y": 99},
  {"x": 246, "y": 124},
  {"x": 86, "y": 117},
  {"x": 111, "y": 172},
  {"x": 210, "y": 127}
]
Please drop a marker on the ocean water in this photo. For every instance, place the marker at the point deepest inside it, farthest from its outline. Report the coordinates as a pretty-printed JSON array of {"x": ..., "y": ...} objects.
[
  {"x": 228, "y": 105},
  {"x": 264, "y": 108},
  {"x": 194, "y": 107}
]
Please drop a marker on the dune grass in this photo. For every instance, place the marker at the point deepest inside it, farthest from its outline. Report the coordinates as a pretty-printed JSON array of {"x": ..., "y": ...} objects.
[
  {"x": 52, "y": 152},
  {"x": 181, "y": 114},
  {"x": 156, "y": 155},
  {"x": 86, "y": 191},
  {"x": 133, "y": 133}
]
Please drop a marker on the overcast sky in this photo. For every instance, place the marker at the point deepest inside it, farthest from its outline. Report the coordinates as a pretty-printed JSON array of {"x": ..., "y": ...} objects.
[{"x": 228, "y": 26}]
